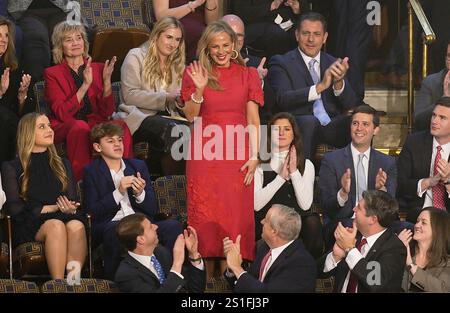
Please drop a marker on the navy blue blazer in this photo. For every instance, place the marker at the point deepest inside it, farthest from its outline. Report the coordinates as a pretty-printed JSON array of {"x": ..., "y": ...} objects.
[
  {"x": 290, "y": 79},
  {"x": 98, "y": 189},
  {"x": 293, "y": 271},
  {"x": 132, "y": 276},
  {"x": 333, "y": 166}
]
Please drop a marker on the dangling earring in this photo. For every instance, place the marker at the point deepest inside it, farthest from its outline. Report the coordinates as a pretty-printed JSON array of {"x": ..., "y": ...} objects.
[{"x": 236, "y": 56}]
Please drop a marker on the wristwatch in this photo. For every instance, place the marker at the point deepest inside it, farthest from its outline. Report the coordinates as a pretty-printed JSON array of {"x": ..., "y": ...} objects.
[
  {"x": 347, "y": 250},
  {"x": 409, "y": 267},
  {"x": 447, "y": 182}
]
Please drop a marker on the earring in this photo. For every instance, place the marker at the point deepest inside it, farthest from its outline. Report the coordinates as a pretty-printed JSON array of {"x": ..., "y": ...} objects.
[{"x": 236, "y": 56}]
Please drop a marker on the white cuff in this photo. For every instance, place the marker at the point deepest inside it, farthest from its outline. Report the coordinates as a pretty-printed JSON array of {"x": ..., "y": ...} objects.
[
  {"x": 353, "y": 258},
  {"x": 178, "y": 274},
  {"x": 118, "y": 196},
  {"x": 141, "y": 197},
  {"x": 337, "y": 93},
  {"x": 341, "y": 200},
  {"x": 330, "y": 263},
  {"x": 313, "y": 95},
  {"x": 420, "y": 192}
]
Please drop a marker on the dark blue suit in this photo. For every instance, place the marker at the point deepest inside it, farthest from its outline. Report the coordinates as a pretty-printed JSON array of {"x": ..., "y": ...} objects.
[
  {"x": 98, "y": 198},
  {"x": 290, "y": 80},
  {"x": 293, "y": 271},
  {"x": 333, "y": 166},
  {"x": 132, "y": 276}
]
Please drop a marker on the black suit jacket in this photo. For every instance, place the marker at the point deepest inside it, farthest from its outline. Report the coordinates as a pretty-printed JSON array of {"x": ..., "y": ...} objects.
[
  {"x": 389, "y": 253},
  {"x": 414, "y": 164},
  {"x": 334, "y": 165},
  {"x": 132, "y": 276},
  {"x": 293, "y": 271},
  {"x": 290, "y": 79}
]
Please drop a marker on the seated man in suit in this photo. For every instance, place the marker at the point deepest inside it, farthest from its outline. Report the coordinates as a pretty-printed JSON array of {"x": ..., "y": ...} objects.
[
  {"x": 375, "y": 262},
  {"x": 347, "y": 172},
  {"x": 423, "y": 165},
  {"x": 114, "y": 188},
  {"x": 148, "y": 267},
  {"x": 311, "y": 85},
  {"x": 433, "y": 87},
  {"x": 282, "y": 264}
]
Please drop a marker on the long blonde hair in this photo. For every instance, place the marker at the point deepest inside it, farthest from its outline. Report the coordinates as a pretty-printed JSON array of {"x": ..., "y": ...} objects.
[
  {"x": 151, "y": 72},
  {"x": 203, "y": 50},
  {"x": 25, "y": 143},
  {"x": 61, "y": 30}
]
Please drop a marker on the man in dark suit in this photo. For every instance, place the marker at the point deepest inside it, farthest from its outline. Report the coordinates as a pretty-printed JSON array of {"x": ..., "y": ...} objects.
[
  {"x": 374, "y": 263},
  {"x": 433, "y": 88},
  {"x": 343, "y": 176},
  {"x": 114, "y": 188},
  {"x": 270, "y": 23},
  {"x": 148, "y": 267},
  {"x": 423, "y": 165},
  {"x": 282, "y": 264},
  {"x": 311, "y": 85}
]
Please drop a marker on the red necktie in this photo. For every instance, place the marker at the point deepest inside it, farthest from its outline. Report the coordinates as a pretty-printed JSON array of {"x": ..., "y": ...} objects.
[
  {"x": 353, "y": 280},
  {"x": 263, "y": 264},
  {"x": 438, "y": 190}
]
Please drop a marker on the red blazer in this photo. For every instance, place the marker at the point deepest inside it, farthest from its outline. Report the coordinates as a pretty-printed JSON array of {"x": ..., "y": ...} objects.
[{"x": 60, "y": 95}]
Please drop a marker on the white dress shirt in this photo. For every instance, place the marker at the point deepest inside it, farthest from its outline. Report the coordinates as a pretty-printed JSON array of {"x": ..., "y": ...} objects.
[
  {"x": 353, "y": 257},
  {"x": 355, "y": 156},
  {"x": 313, "y": 95},
  {"x": 429, "y": 192},
  {"x": 123, "y": 199},
  {"x": 2, "y": 195},
  {"x": 303, "y": 184}
]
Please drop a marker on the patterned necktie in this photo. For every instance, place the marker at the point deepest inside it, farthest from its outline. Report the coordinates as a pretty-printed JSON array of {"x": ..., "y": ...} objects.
[
  {"x": 159, "y": 269},
  {"x": 353, "y": 280},
  {"x": 438, "y": 190},
  {"x": 263, "y": 265},
  {"x": 318, "y": 108},
  {"x": 361, "y": 183}
]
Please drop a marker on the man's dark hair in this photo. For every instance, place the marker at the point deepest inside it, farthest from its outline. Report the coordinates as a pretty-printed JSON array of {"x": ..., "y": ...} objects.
[
  {"x": 313, "y": 17},
  {"x": 444, "y": 101},
  {"x": 382, "y": 205},
  {"x": 367, "y": 109},
  {"x": 129, "y": 228}
]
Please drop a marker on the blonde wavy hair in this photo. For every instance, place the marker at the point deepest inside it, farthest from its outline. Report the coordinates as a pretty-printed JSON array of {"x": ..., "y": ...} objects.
[
  {"x": 10, "y": 58},
  {"x": 152, "y": 72},
  {"x": 59, "y": 32},
  {"x": 25, "y": 143},
  {"x": 205, "y": 60}
]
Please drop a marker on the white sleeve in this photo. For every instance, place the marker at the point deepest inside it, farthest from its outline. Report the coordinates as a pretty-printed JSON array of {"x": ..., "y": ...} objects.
[
  {"x": 304, "y": 185},
  {"x": 2, "y": 194},
  {"x": 263, "y": 195}
]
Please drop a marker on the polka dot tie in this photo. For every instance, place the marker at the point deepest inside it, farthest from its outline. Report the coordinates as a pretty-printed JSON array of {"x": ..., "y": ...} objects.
[{"x": 159, "y": 269}]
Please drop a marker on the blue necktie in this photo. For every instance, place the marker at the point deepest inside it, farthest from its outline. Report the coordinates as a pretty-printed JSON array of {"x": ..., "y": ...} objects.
[
  {"x": 318, "y": 108},
  {"x": 361, "y": 183},
  {"x": 159, "y": 269}
]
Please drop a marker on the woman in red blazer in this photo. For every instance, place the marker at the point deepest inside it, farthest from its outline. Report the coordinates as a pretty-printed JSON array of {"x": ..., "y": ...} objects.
[{"x": 79, "y": 95}]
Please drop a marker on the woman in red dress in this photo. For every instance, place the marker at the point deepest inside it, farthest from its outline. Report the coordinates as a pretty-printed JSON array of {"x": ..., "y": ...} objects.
[
  {"x": 79, "y": 95},
  {"x": 225, "y": 94}
]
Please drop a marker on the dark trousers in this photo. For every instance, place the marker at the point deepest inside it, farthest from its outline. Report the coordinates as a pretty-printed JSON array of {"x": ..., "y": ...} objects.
[
  {"x": 37, "y": 26},
  {"x": 168, "y": 231},
  {"x": 336, "y": 133},
  {"x": 8, "y": 128}
]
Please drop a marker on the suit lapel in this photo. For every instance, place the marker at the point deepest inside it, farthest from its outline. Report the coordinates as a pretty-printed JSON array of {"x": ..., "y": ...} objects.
[
  {"x": 281, "y": 258},
  {"x": 348, "y": 159},
  {"x": 378, "y": 244},
  {"x": 141, "y": 268},
  {"x": 301, "y": 67},
  {"x": 104, "y": 170},
  {"x": 372, "y": 172},
  {"x": 428, "y": 146}
]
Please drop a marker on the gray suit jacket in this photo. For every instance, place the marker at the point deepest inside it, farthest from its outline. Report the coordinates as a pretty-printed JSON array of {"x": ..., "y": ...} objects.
[
  {"x": 430, "y": 91},
  {"x": 17, "y": 8},
  {"x": 436, "y": 279}
]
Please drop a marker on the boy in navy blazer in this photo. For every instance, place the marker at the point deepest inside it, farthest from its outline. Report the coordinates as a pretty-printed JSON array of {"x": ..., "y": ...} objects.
[{"x": 114, "y": 188}]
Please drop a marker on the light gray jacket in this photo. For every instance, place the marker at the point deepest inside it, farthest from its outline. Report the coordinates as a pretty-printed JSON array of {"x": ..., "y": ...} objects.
[
  {"x": 436, "y": 279},
  {"x": 139, "y": 99}
]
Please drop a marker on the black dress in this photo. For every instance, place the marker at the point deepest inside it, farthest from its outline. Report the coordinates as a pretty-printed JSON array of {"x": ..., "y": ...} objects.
[
  {"x": 9, "y": 113},
  {"x": 44, "y": 189}
]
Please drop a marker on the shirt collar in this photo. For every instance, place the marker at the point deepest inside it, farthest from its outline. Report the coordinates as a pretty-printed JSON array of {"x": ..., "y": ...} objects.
[
  {"x": 277, "y": 251},
  {"x": 355, "y": 152},
  {"x": 121, "y": 170},
  {"x": 143, "y": 259},
  {"x": 445, "y": 148},
  {"x": 308, "y": 58},
  {"x": 373, "y": 238}
]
